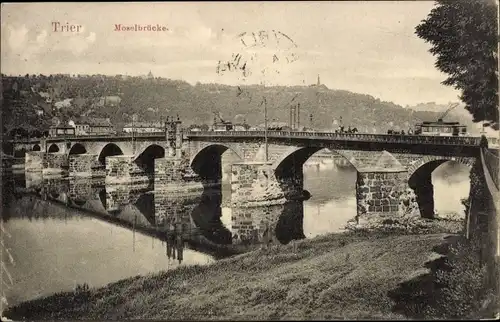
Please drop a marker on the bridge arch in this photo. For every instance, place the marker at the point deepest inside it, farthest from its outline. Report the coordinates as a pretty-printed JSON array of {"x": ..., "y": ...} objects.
[
  {"x": 420, "y": 180},
  {"x": 207, "y": 162},
  {"x": 437, "y": 161},
  {"x": 145, "y": 159},
  {"x": 53, "y": 148},
  {"x": 109, "y": 149},
  {"x": 36, "y": 147},
  {"x": 289, "y": 171},
  {"x": 295, "y": 157},
  {"x": 77, "y": 148}
]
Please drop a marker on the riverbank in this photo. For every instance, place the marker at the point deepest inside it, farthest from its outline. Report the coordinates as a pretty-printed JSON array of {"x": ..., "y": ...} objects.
[{"x": 354, "y": 275}]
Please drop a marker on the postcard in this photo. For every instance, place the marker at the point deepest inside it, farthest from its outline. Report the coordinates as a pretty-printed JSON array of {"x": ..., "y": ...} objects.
[{"x": 313, "y": 160}]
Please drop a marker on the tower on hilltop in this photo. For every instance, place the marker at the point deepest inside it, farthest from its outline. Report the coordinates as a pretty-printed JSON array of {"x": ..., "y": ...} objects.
[{"x": 319, "y": 82}]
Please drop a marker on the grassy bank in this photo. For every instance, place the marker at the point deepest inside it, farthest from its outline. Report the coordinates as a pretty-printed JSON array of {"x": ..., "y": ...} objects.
[{"x": 355, "y": 275}]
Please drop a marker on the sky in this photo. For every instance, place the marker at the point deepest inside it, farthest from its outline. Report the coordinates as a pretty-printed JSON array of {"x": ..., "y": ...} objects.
[{"x": 364, "y": 47}]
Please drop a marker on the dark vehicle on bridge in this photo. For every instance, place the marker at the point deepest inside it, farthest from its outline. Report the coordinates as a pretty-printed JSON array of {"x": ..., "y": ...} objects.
[
  {"x": 62, "y": 130},
  {"x": 221, "y": 125},
  {"x": 441, "y": 128},
  {"x": 279, "y": 128}
]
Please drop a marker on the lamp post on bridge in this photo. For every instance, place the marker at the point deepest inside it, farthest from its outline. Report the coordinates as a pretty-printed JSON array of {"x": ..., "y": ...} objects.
[
  {"x": 134, "y": 119},
  {"x": 265, "y": 129}
]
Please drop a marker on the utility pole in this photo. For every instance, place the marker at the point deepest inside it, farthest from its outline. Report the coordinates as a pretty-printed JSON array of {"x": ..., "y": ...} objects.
[
  {"x": 298, "y": 116},
  {"x": 265, "y": 128},
  {"x": 311, "y": 121},
  {"x": 134, "y": 117}
]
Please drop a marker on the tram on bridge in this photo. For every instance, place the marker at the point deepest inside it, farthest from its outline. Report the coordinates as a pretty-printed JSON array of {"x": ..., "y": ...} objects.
[{"x": 441, "y": 128}]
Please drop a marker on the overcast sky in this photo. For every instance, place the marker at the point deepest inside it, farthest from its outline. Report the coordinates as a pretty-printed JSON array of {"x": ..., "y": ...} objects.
[{"x": 365, "y": 47}]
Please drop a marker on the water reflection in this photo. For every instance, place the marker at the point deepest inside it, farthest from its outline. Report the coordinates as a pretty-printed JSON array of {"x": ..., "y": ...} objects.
[
  {"x": 55, "y": 246},
  {"x": 66, "y": 232}
]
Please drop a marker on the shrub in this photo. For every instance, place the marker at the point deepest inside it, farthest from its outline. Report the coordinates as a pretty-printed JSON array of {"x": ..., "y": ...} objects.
[{"x": 462, "y": 282}]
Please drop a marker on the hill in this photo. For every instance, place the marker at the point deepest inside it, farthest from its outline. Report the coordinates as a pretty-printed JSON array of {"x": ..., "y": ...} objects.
[{"x": 154, "y": 99}]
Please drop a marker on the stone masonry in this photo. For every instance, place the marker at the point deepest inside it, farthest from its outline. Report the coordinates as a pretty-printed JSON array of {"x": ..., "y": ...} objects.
[
  {"x": 85, "y": 165},
  {"x": 379, "y": 194},
  {"x": 173, "y": 174},
  {"x": 255, "y": 184},
  {"x": 55, "y": 163},
  {"x": 386, "y": 169},
  {"x": 121, "y": 169}
]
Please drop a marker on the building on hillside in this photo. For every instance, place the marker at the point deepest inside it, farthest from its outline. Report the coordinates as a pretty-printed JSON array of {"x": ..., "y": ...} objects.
[
  {"x": 144, "y": 127},
  {"x": 94, "y": 126},
  {"x": 61, "y": 130},
  {"x": 111, "y": 101}
]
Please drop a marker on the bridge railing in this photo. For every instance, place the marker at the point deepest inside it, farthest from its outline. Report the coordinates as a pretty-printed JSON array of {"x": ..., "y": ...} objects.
[
  {"x": 491, "y": 162},
  {"x": 385, "y": 138},
  {"x": 380, "y": 138},
  {"x": 93, "y": 137}
]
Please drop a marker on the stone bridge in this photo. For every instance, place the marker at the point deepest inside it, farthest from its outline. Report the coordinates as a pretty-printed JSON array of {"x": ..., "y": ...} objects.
[{"x": 394, "y": 171}]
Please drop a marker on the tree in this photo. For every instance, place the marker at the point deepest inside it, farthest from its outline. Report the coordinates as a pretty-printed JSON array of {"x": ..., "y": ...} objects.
[{"x": 463, "y": 36}]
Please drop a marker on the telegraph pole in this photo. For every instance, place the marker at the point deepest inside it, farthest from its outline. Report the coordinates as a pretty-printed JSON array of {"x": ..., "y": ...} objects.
[
  {"x": 265, "y": 127},
  {"x": 298, "y": 116},
  {"x": 134, "y": 117}
]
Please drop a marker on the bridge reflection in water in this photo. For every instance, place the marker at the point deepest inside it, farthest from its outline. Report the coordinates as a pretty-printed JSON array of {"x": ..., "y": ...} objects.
[
  {"x": 196, "y": 218},
  {"x": 178, "y": 220},
  {"x": 188, "y": 227}
]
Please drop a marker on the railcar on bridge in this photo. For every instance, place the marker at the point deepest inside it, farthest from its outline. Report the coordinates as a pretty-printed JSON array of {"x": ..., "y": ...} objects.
[{"x": 441, "y": 128}]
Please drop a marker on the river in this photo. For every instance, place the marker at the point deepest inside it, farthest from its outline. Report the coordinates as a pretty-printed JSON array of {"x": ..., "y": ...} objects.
[{"x": 51, "y": 245}]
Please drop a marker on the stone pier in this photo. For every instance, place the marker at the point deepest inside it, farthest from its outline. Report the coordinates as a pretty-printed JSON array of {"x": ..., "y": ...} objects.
[
  {"x": 33, "y": 161},
  {"x": 174, "y": 174},
  {"x": 378, "y": 194},
  {"x": 256, "y": 184},
  {"x": 122, "y": 169},
  {"x": 55, "y": 163},
  {"x": 85, "y": 165}
]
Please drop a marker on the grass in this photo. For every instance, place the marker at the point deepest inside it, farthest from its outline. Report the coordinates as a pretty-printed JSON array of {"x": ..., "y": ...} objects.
[{"x": 355, "y": 275}]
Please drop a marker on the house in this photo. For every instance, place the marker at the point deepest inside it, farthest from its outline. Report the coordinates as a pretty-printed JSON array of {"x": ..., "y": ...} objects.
[
  {"x": 94, "y": 126},
  {"x": 112, "y": 101},
  {"x": 61, "y": 130},
  {"x": 144, "y": 127}
]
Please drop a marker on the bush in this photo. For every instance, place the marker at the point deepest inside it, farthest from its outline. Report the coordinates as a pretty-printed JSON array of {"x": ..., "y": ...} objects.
[{"x": 462, "y": 281}]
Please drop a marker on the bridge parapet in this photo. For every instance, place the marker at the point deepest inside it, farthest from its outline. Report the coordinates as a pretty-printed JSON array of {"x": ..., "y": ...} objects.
[
  {"x": 491, "y": 162},
  {"x": 362, "y": 137},
  {"x": 381, "y": 138}
]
